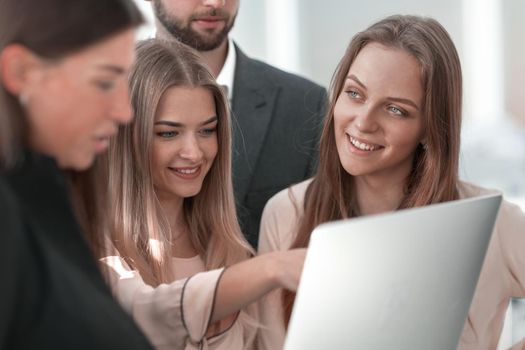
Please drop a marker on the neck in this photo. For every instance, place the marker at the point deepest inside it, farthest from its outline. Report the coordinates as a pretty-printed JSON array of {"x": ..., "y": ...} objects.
[
  {"x": 182, "y": 246},
  {"x": 214, "y": 59},
  {"x": 376, "y": 196},
  {"x": 172, "y": 208}
]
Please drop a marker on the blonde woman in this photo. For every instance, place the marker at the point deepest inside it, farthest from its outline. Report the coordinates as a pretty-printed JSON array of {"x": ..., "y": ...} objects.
[
  {"x": 174, "y": 215},
  {"x": 391, "y": 141}
]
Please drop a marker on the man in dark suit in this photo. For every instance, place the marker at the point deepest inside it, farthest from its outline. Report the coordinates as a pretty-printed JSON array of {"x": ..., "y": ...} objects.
[{"x": 276, "y": 116}]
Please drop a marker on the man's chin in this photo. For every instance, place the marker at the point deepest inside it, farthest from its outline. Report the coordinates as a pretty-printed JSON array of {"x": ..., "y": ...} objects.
[
  {"x": 205, "y": 44},
  {"x": 202, "y": 39}
]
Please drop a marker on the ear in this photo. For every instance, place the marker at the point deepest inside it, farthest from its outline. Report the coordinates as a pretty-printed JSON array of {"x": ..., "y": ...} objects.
[
  {"x": 18, "y": 66},
  {"x": 424, "y": 136},
  {"x": 423, "y": 142}
]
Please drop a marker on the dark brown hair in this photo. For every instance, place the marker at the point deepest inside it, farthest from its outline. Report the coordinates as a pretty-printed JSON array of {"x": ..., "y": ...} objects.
[{"x": 52, "y": 29}]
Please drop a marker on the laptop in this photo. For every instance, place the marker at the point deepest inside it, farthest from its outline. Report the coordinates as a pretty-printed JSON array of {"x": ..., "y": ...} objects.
[{"x": 402, "y": 280}]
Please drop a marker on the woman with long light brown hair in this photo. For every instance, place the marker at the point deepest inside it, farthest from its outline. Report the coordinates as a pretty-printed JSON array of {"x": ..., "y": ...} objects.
[
  {"x": 173, "y": 220},
  {"x": 390, "y": 141}
]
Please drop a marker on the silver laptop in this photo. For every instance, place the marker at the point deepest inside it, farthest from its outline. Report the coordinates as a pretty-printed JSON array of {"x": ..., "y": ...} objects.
[{"x": 402, "y": 280}]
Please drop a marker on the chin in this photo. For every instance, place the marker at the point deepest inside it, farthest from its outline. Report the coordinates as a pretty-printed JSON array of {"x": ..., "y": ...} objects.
[
  {"x": 353, "y": 170},
  {"x": 77, "y": 163},
  {"x": 189, "y": 193}
]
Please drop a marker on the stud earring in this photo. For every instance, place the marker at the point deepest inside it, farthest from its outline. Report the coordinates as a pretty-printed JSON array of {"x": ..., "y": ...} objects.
[{"x": 22, "y": 99}]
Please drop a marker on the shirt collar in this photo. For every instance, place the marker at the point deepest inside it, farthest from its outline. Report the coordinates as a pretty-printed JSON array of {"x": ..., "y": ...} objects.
[{"x": 227, "y": 72}]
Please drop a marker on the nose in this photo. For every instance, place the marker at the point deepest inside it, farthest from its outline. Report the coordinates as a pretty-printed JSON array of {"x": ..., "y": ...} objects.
[
  {"x": 121, "y": 111},
  {"x": 191, "y": 149},
  {"x": 365, "y": 120},
  {"x": 214, "y": 3}
]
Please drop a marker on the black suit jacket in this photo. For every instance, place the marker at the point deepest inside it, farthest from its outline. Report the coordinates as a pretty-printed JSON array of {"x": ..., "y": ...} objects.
[
  {"x": 52, "y": 294},
  {"x": 277, "y": 119}
]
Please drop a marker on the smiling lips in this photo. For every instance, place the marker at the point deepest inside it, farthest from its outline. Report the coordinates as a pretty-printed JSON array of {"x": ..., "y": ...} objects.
[
  {"x": 363, "y": 146},
  {"x": 187, "y": 173}
]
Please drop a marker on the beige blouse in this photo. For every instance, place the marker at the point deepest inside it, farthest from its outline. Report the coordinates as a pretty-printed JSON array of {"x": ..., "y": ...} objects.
[
  {"x": 502, "y": 275},
  {"x": 177, "y": 315}
]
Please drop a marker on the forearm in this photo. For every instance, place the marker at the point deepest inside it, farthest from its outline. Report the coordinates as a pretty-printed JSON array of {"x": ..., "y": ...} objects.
[{"x": 246, "y": 282}]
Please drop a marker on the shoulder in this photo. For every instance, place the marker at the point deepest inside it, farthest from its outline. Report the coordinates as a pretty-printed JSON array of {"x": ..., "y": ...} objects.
[
  {"x": 510, "y": 220},
  {"x": 468, "y": 190},
  {"x": 289, "y": 199},
  {"x": 508, "y": 211},
  {"x": 9, "y": 209},
  {"x": 280, "y": 217},
  {"x": 13, "y": 250}
]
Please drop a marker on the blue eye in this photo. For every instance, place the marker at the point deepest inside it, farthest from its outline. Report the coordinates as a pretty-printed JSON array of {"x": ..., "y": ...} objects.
[
  {"x": 397, "y": 111},
  {"x": 208, "y": 131},
  {"x": 353, "y": 94},
  {"x": 167, "y": 134}
]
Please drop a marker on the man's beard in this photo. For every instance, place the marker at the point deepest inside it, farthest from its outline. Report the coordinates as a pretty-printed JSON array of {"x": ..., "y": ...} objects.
[{"x": 187, "y": 35}]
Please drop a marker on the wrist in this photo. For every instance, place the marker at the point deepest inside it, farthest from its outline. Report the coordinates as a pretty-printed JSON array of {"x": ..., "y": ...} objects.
[{"x": 273, "y": 269}]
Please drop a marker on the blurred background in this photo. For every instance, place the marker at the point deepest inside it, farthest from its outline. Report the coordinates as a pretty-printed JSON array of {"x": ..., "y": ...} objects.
[{"x": 308, "y": 37}]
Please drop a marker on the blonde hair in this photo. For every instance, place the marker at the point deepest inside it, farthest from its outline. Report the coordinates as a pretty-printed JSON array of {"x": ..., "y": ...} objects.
[
  {"x": 138, "y": 225},
  {"x": 434, "y": 175}
]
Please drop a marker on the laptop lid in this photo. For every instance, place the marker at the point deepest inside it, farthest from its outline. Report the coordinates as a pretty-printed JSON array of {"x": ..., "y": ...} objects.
[{"x": 402, "y": 280}]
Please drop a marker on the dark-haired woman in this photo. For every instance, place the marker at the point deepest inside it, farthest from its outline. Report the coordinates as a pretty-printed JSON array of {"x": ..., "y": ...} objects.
[{"x": 63, "y": 93}]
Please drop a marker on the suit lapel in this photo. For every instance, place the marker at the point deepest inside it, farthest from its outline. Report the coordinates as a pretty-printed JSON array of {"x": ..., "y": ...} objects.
[{"x": 253, "y": 102}]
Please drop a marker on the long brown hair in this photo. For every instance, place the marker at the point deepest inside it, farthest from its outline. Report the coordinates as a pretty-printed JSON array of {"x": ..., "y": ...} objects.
[
  {"x": 138, "y": 225},
  {"x": 434, "y": 176}
]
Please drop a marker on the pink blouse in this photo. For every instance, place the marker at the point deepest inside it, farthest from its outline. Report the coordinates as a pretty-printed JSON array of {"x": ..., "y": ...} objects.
[{"x": 177, "y": 315}]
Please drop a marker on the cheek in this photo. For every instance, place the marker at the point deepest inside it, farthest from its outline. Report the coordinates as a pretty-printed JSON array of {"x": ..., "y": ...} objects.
[
  {"x": 232, "y": 11},
  {"x": 340, "y": 122},
  {"x": 338, "y": 108},
  {"x": 158, "y": 156},
  {"x": 408, "y": 136},
  {"x": 211, "y": 149},
  {"x": 74, "y": 112},
  {"x": 56, "y": 122},
  {"x": 342, "y": 113}
]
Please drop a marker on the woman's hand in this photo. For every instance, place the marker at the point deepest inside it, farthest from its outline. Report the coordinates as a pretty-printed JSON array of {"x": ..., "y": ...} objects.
[
  {"x": 287, "y": 267},
  {"x": 247, "y": 281}
]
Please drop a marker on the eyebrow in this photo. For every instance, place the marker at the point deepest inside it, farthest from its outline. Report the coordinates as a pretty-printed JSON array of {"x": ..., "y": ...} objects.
[
  {"x": 112, "y": 68},
  {"x": 404, "y": 100},
  {"x": 394, "y": 99},
  {"x": 180, "y": 125},
  {"x": 355, "y": 79}
]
